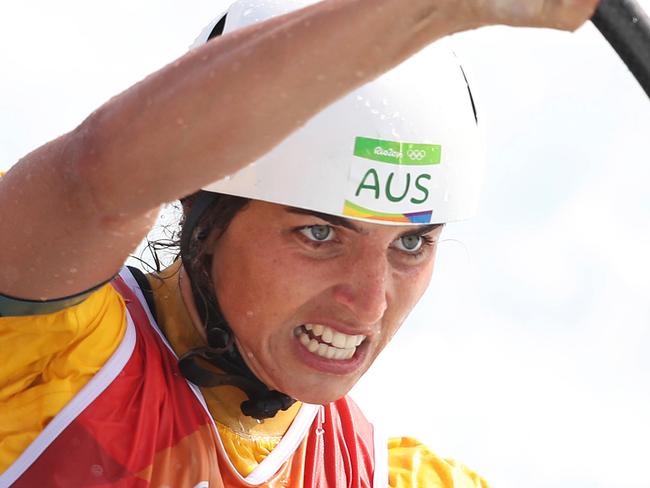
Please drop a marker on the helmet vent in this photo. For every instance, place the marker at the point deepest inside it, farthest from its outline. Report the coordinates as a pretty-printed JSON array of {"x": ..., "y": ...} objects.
[
  {"x": 471, "y": 97},
  {"x": 218, "y": 28}
]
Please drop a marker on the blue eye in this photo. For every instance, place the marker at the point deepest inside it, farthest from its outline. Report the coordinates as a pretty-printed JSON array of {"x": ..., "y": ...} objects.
[
  {"x": 410, "y": 244},
  {"x": 318, "y": 233}
]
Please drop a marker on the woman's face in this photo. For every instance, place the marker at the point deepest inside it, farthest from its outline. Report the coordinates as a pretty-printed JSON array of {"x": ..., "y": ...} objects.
[{"x": 313, "y": 299}]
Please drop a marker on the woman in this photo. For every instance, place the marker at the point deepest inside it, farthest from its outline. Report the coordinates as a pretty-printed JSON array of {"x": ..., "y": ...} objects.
[{"x": 295, "y": 272}]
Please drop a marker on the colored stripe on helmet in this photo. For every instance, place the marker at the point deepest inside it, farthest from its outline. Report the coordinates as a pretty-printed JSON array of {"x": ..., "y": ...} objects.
[{"x": 356, "y": 211}]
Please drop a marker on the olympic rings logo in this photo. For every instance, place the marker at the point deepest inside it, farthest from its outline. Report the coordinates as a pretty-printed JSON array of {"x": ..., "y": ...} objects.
[{"x": 416, "y": 154}]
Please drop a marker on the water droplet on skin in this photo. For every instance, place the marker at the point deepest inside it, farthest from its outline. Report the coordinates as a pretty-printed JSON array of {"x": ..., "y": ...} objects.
[
  {"x": 250, "y": 355},
  {"x": 73, "y": 270},
  {"x": 249, "y": 313},
  {"x": 360, "y": 73},
  {"x": 96, "y": 470},
  {"x": 635, "y": 20}
]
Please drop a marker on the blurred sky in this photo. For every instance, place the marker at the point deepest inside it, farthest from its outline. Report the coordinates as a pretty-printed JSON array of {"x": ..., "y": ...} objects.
[{"x": 528, "y": 357}]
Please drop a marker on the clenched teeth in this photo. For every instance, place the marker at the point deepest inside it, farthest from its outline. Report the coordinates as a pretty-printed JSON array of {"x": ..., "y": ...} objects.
[
  {"x": 336, "y": 339},
  {"x": 327, "y": 342}
]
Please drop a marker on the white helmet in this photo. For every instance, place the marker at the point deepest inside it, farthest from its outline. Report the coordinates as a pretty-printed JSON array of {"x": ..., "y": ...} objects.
[{"x": 405, "y": 148}]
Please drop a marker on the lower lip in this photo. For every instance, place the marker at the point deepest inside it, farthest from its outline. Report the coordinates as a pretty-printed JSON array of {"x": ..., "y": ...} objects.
[{"x": 332, "y": 366}]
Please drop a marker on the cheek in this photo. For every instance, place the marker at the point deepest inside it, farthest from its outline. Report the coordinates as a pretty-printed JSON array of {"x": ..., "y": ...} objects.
[
  {"x": 258, "y": 287},
  {"x": 409, "y": 289}
]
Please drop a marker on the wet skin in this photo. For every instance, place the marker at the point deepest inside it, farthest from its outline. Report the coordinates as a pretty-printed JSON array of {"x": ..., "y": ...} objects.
[{"x": 277, "y": 268}]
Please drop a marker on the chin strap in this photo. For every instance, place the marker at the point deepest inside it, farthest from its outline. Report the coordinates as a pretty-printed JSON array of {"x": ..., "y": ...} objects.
[{"x": 198, "y": 365}]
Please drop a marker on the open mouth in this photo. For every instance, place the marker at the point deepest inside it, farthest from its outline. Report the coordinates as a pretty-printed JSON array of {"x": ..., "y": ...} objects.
[{"x": 328, "y": 343}]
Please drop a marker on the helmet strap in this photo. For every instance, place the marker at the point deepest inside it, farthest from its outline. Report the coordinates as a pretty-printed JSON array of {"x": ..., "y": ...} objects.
[{"x": 197, "y": 365}]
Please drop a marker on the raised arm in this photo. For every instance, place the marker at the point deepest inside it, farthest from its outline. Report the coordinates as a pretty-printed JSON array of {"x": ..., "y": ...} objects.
[{"x": 72, "y": 210}]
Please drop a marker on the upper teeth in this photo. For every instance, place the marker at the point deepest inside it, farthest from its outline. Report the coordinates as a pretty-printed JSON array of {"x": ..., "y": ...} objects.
[
  {"x": 335, "y": 338},
  {"x": 331, "y": 344}
]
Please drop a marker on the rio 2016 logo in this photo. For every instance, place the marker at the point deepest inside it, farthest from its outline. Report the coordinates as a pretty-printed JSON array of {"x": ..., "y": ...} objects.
[{"x": 412, "y": 154}]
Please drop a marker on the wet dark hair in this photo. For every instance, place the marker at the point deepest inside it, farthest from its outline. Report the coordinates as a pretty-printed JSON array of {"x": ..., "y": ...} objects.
[{"x": 213, "y": 222}]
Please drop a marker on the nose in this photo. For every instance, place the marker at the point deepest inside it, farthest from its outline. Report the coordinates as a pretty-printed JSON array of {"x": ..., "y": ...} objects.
[{"x": 363, "y": 288}]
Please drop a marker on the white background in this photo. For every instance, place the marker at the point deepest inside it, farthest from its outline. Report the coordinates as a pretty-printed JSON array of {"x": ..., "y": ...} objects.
[{"x": 529, "y": 357}]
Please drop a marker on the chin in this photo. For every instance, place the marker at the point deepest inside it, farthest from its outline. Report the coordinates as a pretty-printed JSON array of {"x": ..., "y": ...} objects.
[
  {"x": 318, "y": 398},
  {"x": 319, "y": 393}
]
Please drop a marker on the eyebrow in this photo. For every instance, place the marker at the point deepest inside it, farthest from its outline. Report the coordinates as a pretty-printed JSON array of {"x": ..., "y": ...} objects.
[
  {"x": 349, "y": 224},
  {"x": 421, "y": 230}
]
